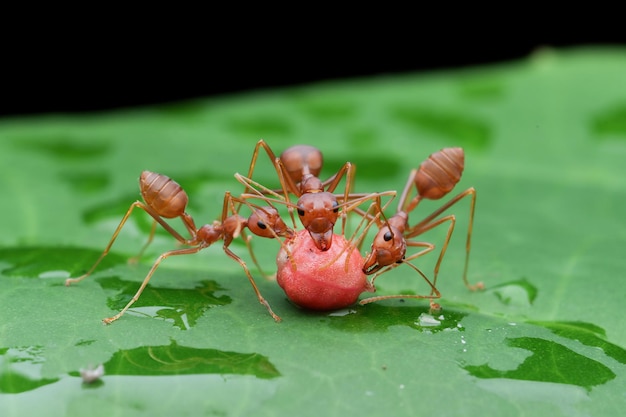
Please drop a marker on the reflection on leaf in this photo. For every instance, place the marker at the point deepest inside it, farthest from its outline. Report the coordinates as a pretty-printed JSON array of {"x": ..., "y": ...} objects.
[
  {"x": 550, "y": 362},
  {"x": 520, "y": 293},
  {"x": 35, "y": 261},
  {"x": 182, "y": 306},
  {"x": 182, "y": 360},
  {"x": 587, "y": 334},
  {"x": 20, "y": 370},
  {"x": 378, "y": 317}
]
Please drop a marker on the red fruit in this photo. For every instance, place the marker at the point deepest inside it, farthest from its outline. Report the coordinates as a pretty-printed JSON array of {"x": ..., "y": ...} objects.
[{"x": 310, "y": 282}]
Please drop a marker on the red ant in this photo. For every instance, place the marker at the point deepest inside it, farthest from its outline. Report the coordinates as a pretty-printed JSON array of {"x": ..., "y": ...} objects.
[
  {"x": 164, "y": 198},
  {"x": 298, "y": 168},
  {"x": 434, "y": 179}
]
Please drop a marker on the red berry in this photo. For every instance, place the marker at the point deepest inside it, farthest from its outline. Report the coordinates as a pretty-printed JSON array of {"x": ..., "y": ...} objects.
[{"x": 310, "y": 282}]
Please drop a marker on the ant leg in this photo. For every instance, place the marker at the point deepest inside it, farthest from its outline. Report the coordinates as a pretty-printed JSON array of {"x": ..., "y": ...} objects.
[
  {"x": 359, "y": 235},
  {"x": 229, "y": 203},
  {"x": 229, "y": 234},
  {"x": 139, "y": 204},
  {"x": 248, "y": 241},
  {"x": 254, "y": 286},
  {"x": 136, "y": 258},
  {"x": 428, "y": 224},
  {"x": 261, "y": 192},
  {"x": 154, "y": 215},
  {"x": 185, "y": 251},
  {"x": 278, "y": 166},
  {"x": 346, "y": 170},
  {"x": 434, "y": 291}
]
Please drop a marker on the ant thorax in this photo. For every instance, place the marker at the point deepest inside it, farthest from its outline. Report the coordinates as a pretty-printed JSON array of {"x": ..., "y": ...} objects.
[
  {"x": 311, "y": 184},
  {"x": 209, "y": 233}
]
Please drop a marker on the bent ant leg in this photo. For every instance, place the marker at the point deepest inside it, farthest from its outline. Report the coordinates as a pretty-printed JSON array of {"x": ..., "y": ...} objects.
[
  {"x": 262, "y": 300},
  {"x": 346, "y": 170},
  {"x": 148, "y": 210},
  {"x": 261, "y": 192},
  {"x": 434, "y": 294},
  {"x": 267, "y": 219},
  {"x": 229, "y": 234},
  {"x": 429, "y": 223},
  {"x": 229, "y": 203},
  {"x": 137, "y": 257},
  {"x": 185, "y": 251},
  {"x": 367, "y": 221},
  {"x": 285, "y": 181}
]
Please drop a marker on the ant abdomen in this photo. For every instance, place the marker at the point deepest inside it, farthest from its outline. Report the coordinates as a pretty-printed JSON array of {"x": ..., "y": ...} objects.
[
  {"x": 163, "y": 194},
  {"x": 438, "y": 175},
  {"x": 302, "y": 159}
]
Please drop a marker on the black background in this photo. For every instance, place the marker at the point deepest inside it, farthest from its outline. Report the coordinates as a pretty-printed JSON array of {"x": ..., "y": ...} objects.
[{"x": 57, "y": 77}]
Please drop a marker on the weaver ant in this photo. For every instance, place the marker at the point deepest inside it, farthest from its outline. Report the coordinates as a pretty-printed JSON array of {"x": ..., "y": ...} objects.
[
  {"x": 298, "y": 168},
  {"x": 434, "y": 179},
  {"x": 165, "y": 199}
]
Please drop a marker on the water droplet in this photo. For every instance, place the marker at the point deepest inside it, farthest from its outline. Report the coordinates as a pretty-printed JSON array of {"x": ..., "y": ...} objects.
[
  {"x": 55, "y": 274},
  {"x": 342, "y": 312},
  {"x": 426, "y": 320},
  {"x": 91, "y": 374}
]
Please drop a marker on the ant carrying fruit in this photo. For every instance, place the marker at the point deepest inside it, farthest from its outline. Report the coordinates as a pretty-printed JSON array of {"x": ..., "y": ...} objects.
[{"x": 165, "y": 199}]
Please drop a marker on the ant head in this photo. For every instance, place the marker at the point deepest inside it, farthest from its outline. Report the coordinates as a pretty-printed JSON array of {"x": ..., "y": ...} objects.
[
  {"x": 302, "y": 159},
  {"x": 388, "y": 247},
  {"x": 266, "y": 222},
  {"x": 318, "y": 213}
]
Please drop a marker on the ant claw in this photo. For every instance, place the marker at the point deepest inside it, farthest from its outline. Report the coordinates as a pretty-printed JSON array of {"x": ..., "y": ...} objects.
[{"x": 434, "y": 308}]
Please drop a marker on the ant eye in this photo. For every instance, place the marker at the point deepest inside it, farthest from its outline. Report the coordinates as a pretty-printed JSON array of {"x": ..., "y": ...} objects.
[
  {"x": 336, "y": 207},
  {"x": 261, "y": 225},
  {"x": 388, "y": 236},
  {"x": 300, "y": 212},
  {"x": 400, "y": 261}
]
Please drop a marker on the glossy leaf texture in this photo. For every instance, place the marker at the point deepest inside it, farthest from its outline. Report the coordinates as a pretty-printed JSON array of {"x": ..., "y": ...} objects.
[{"x": 545, "y": 145}]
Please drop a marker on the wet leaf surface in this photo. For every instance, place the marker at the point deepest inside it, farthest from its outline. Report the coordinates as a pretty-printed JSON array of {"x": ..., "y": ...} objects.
[{"x": 544, "y": 145}]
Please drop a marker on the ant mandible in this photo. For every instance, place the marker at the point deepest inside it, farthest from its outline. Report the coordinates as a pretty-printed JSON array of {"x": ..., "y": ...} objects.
[
  {"x": 165, "y": 199},
  {"x": 298, "y": 168},
  {"x": 434, "y": 179}
]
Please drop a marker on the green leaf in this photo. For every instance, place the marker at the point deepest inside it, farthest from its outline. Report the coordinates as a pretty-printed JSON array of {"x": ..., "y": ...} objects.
[{"x": 545, "y": 146}]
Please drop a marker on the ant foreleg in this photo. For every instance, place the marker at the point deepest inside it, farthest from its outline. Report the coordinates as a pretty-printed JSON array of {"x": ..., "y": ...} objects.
[
  {"x": 262, "y": 300},
  {"x": 433, "y": 294}
]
